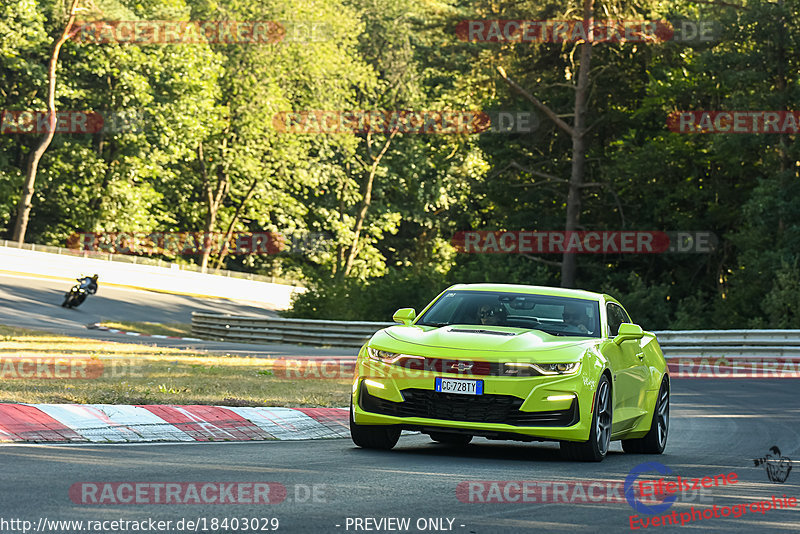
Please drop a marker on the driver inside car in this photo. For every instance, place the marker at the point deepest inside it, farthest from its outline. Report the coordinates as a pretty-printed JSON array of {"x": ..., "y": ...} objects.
[
  {"x": 492, "y": 315},
  {"x": 574, "y": 315}
]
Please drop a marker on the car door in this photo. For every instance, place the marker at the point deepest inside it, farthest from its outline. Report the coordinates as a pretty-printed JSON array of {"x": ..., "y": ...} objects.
[
  {"x": 628, "y": 370},
  {"x": 642, "y": 370}
]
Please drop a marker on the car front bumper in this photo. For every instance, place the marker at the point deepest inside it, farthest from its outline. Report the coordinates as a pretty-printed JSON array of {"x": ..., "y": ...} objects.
[{"x": 523, "y": 408}]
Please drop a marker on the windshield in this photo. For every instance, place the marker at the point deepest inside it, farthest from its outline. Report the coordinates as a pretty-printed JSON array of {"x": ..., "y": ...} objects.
[{"x": 559, "y": 316}]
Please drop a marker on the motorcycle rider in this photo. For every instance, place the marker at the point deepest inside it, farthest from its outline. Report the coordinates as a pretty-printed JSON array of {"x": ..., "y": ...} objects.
[{"x": 89, "y": 283}]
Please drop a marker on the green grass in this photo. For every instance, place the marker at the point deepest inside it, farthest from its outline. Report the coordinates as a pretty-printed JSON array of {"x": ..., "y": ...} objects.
[
  {"x": 129, "y": 373},
  {"x": 168, "y": 329}
]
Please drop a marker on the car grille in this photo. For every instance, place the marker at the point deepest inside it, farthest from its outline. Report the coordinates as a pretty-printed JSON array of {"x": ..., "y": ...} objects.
[
  {"x": 440, "y": 365},
  {"x": 466, "y": 368},
  {"x": 471, "y": 408}
]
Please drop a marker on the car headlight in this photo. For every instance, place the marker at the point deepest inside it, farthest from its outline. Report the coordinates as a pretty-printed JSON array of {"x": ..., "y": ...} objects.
[
  {"x": 383, "y": 356},
  {"x": 540, "y": 369}
]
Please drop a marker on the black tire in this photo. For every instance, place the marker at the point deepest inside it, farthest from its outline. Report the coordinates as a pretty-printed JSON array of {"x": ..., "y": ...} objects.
[
  {"x": 596, "y": 448},
  {"x": 373, "y": 436},
  {"x": 446, "y": 438},
  {"x": 655, "y": 441}
]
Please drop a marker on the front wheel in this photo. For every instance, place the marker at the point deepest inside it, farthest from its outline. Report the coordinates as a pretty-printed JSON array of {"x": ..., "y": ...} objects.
[
  {"x": 373, "y": 436},
  {"x": 596, "y": 448},
  {"x": 655, "y": 441}
]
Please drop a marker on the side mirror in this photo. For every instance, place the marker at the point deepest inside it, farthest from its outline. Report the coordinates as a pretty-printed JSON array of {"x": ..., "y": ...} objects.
[
  {"x": 404, "y": 315},
  {"x": 628, "y": 332}
]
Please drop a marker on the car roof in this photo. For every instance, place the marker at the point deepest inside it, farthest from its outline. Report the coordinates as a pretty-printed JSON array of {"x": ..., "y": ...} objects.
[{"x": 537, "y": 290}]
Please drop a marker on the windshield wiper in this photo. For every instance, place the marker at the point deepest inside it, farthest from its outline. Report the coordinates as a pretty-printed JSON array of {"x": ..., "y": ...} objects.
[
  {"x": 437, "y": 325},
  {"x": 482, "y": 331}
]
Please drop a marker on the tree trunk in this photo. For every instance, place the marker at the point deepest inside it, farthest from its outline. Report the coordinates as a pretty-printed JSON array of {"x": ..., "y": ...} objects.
[
  {"x": 338, "y": 263},
  {"x": 577, "y": 133},
  {"x": 362, "y": 214},
  {"x": 365, "y": 203},
  {"x": 208, "y": 228},
  {"x": 236, "y": 214},
  {"x": 214, "y": 198},
  {"x": 783, "y": 95},
  {"x": 569, "y": 265},
  {"x": 26, "y": 198}
]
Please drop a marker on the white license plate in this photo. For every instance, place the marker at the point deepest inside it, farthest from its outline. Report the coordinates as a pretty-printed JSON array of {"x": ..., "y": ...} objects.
[{"x": 462, "y": 387}]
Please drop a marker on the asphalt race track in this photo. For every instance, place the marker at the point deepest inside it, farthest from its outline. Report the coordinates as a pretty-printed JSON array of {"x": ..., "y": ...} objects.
[
  {"x": 32, "y": 302},
  {"x": 717, "y": 427}
]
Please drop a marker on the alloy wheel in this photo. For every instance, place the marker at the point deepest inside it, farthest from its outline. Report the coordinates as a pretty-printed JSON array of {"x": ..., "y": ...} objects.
[
  {"x": 662, "y": 412},
  {"x": 603, "y": 430}
]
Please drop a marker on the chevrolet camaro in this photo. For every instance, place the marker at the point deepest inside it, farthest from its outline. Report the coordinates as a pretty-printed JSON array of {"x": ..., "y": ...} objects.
[{"x": 514, "y": 362}]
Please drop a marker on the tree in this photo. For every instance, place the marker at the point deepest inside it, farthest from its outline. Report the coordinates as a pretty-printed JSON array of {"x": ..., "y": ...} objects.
[
  {"x": 24, "y": 206},
  {"x": 577, "y": 132},
  {"x": 370, "y": 168},
  {"x": 248, "y": 160}
]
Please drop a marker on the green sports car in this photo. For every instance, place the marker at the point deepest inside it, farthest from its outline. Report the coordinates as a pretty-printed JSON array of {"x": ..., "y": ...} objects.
[{"x": 514, "y": 362}]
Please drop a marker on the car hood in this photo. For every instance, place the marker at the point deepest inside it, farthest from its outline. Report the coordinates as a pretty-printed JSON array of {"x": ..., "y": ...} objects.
[{"x": 478, "y": 341}]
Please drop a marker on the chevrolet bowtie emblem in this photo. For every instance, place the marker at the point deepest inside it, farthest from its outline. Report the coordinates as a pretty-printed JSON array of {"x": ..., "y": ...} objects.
[{"x": 461, "y": 367}]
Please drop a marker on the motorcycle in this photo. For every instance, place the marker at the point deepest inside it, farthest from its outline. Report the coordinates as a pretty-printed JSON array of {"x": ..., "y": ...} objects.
[{"x": 75, "y": 296}]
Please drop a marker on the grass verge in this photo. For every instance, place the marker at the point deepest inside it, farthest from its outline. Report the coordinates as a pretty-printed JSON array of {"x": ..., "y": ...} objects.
[
  {"x": 40, "y": 367},
  {"x": 168, "y": 329}
]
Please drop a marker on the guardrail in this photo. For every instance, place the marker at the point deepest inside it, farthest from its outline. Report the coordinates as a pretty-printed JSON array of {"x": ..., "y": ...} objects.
[
  {"x": 734, "y": 343},
  {"x": 353, "y": 334}
]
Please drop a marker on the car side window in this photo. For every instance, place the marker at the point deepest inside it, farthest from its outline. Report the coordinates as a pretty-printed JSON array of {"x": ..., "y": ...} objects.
[
  {"x": 625, "y": 316},
  {"x": 616, "y": 316}
]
